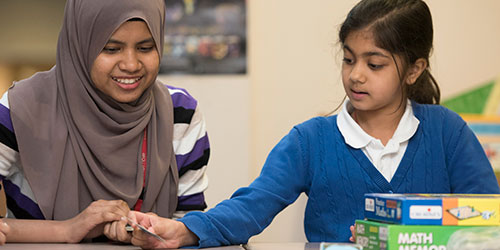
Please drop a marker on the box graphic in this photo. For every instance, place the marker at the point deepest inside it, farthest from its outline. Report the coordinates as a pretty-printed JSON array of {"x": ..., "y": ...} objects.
[{"x": 434, "y": 209}]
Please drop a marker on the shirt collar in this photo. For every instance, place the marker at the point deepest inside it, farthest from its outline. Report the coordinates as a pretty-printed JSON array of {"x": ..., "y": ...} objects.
[
  {"x": 353, "y": 134},
  {"x": 356, "y": 137},
  {"x": 407, "y": 126}
]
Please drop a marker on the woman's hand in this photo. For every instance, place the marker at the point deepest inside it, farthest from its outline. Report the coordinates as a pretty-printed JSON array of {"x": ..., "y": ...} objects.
[
  {"x": 175, "y": 233},
  {"x": 116, "y": 231},
  {"x": 4, "y": 230},
  {"x": 91, "y": 222}
]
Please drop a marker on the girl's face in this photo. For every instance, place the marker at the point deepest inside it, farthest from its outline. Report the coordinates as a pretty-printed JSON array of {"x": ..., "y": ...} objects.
[
  {"x": 128, "y": 64},
  {"x": 369, "y": 74}
]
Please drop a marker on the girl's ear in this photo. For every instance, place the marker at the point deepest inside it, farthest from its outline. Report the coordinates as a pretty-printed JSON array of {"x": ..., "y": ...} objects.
[{"x": 416, "y": 70}]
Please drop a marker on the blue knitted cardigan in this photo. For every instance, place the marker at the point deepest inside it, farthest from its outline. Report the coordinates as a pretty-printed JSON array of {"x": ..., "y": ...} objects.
[{"x": 443, "y": 156}]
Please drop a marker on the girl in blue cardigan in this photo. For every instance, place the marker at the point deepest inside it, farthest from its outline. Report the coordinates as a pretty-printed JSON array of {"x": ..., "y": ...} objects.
[{"x": 391, "y": 136}]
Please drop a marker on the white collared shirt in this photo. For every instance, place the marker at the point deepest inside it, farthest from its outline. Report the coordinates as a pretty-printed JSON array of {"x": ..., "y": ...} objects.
[{"x": 385, "y": 159}]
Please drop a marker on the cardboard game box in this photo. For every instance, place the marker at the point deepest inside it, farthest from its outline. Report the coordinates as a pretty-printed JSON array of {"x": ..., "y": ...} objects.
[
  {"x": 434, "y": 209},
  {"x": 374, "y": 235}
]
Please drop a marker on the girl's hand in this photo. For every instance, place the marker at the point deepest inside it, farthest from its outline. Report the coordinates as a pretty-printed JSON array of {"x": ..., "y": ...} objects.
[
  {"x": 353, "y": 233},
  {"x": 4, "y": 230},
  {"x": 174, "y": 233},
  {"x": 90, "y": 222}
]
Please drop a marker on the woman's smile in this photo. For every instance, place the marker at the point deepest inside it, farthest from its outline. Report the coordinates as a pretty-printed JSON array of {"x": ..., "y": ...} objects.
[{"x": 127, "y": 83}]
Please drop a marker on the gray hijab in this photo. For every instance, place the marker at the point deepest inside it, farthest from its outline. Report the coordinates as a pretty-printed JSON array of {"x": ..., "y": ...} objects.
[{"x": 78, "y": 145}]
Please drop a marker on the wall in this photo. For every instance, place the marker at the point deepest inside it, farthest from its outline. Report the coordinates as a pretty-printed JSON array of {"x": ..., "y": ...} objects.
[
  {"x": 29, "y": 30},
  {"x": 293, "y": 76},
  {"x": 28, "y": 37}
]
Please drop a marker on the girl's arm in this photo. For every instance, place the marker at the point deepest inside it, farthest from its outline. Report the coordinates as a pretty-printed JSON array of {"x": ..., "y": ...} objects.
[{"x": 251, "y": 209}]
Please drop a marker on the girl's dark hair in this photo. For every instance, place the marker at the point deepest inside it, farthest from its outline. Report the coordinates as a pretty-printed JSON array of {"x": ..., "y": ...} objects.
[{"x": 404, "y": 28}]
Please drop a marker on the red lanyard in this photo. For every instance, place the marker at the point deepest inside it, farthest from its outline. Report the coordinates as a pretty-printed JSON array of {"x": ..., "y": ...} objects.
[{"x": 144, "y": 163}]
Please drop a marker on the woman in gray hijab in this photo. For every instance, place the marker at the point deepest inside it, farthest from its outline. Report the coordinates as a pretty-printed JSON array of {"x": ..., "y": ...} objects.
[{"x": 98, "y": 135}]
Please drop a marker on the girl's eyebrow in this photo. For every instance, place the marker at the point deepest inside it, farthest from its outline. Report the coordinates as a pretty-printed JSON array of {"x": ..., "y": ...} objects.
[
  {"x": 147, "y": 40},
  {"x": 368, "y": 53}
]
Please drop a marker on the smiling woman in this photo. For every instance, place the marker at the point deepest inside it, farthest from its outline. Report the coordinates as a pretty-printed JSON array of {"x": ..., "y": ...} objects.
[{"x": 93, "y": 138}]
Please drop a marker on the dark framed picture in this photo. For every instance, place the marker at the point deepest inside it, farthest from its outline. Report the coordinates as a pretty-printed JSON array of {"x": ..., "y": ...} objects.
[{"x": 205, "y": 37}]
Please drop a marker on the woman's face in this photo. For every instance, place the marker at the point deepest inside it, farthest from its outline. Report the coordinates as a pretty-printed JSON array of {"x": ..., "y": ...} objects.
[{"x": 128, "y": 64}]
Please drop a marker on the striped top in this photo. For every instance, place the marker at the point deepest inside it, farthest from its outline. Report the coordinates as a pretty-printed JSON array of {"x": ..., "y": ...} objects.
[{"x": 190, "y": 143}]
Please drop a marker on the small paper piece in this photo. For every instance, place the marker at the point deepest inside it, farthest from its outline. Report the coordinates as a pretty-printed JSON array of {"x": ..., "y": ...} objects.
[{"x": 142, "y": 228}]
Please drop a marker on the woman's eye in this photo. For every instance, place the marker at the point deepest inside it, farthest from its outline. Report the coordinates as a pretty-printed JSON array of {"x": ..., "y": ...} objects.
[
  {"x": 146, "y": 48},
  {"x": 347, "y": 60},
  {"x": 110, "y": 50}
]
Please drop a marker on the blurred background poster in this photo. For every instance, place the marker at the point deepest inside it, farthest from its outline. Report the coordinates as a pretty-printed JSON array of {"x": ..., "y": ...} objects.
[
  {"x": 205, "y": 37},
  {"x": 480, "y": 108}
]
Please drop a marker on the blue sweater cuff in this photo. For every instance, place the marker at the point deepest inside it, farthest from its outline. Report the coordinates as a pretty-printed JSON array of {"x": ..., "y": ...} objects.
[{"x": 196, "y": 224}]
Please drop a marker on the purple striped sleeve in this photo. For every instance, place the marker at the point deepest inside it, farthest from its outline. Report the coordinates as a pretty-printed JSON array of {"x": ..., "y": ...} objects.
[
  {"x": 189, "y": 200},
  {"x": 199, "y": 148},
  {"x": 22, "y": 201},
  {"x": 184, "y": 99},
  {"x": 5, "y": 118},
  {"x": 177, "y": 88}
]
